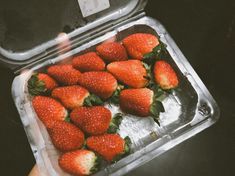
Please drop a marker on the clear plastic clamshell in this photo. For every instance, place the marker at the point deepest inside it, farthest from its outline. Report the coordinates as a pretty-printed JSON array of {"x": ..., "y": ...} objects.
[
  {"x": 34, "y": 42},
  {"x": 189, "y": 109}
]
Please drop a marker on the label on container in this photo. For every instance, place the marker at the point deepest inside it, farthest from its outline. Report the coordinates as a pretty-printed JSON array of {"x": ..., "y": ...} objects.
[{"x": 90, "y": 7}]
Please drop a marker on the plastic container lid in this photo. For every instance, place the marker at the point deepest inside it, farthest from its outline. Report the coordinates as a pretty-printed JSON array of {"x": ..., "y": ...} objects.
[{"x": 24, "y": 40}]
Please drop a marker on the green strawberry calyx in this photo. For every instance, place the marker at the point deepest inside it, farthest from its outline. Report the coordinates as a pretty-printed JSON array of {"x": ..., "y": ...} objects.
[
  {"x": 157, "y": 53},
  {"x": 96, "y": 164},
  {"x": 115, "y": 123},
  {"x": 92, "y": 100},
  {"x": 157, "y": 106},
  {"x": 36, "y": 86},
  {"x": 115, "y": 97}
]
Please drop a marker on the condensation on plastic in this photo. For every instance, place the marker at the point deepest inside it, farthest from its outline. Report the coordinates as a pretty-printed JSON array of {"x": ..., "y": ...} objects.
[{"x": 188, "y": 110}]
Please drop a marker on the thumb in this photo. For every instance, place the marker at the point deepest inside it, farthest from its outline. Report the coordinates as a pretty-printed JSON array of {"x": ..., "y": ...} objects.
[{"x": 34, "y": 171}]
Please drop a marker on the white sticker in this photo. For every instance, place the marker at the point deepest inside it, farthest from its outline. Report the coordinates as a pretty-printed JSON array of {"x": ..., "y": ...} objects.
[{"x": 90, "y": 7}]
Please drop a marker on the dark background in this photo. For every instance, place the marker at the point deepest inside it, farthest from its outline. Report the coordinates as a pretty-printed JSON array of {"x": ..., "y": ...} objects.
[{"x": 205, "y": 32}]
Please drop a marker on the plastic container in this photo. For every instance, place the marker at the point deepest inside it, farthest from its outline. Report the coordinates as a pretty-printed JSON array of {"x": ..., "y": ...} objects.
[{"x": 188, "y": 110}]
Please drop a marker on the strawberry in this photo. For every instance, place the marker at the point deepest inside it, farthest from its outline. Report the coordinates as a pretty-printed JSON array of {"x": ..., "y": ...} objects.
[
  {"x": 88, "y": 62},
  {"x": 139, "y": 44},
  {"x": 110, "y": 146},
  {"x": 165, "y": 75},
  {"x": 66, "y": 136},
  {"x": 136, "y": 101},
  {"x": 75, "y": 96},
  {"x": 65, "y": 74},
  {"x": 92, "y": 120},
  {"x": 103, "y": 84},
  {"x": 141, "y": 102},
  {"x": 79, "y": 162},
  {"x": 131, "y": 72},
  {"x": 48, "y": 109},
  {"x": 112, "y": 51},
  {"x": 41, "y": 83},
  {"x": 70, "y": 96}
]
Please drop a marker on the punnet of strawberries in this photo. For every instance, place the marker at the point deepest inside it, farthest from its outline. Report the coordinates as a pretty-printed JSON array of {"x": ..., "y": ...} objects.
[{"x": 69, "y": 98}]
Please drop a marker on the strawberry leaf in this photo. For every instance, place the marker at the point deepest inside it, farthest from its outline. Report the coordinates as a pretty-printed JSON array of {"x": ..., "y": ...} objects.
[
  {"x": 127, "y": 145},
  {"x": 85, "y": 147},
  {"x": 150, "y": 76},
  {"x": 149, "y": 55},
  {"x": 36, "y": 86},
  {"x": 155, "y": 110},
  {"x": 160, "y": 106},
  {"x": 115, "y": 97},
  {"x": 67, "y": 119},
  {"x": 157, "y": 53},
  {"x": 169, "y": 91},
  {"x": 96, "y": 164},
  {"x": 93, "y": 100},
  {"x": 116, "y": 121},
  {"x": 149, "y": 58}
]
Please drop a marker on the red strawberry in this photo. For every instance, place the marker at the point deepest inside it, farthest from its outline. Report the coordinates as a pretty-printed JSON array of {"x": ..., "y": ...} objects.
[
  {"x": 103, "y": 84},
  {"x": 109, "y": 146},
  {"x": 92, "y": 120},
  {"x": 71, "y": 96},
  {"x": 65, "y": 136},
  {"x": 112, "y": 51},
  {"x": 141, "y": 102},
  {"x": 136, "y": 101},
  {"x": 165, "y": 75},
  {"x": 88, "y": 62},
  {"x": 139, "y": 44},
  {"x": 48, "y": 109},
  {"x": 41, "y": 83},
  {"x": 79, "y": 162},
  {"x": 131, "y": 72},
  {"x": 64, "y": 74}
]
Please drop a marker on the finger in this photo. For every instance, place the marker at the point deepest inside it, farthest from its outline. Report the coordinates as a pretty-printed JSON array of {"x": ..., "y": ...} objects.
[
  {"x": 34, "y": 171},
  {"x": 64, "y": 44}
]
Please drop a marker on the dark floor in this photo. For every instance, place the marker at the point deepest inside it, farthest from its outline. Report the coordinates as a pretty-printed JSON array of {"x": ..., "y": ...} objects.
[{"x": 205, "y": 32}]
